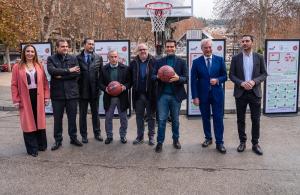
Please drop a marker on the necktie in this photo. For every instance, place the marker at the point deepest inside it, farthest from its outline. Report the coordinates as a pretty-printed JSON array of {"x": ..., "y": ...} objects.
[
  {"x": 88, "y": 61},
  {"x": 208, "y": 65}
]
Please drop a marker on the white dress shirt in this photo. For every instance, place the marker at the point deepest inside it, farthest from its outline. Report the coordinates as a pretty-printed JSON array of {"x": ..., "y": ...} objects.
[{"x": 248, "y": 66}]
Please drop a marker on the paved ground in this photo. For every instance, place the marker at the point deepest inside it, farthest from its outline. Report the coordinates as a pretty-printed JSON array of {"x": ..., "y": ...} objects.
[
  {"x": 97, "y": 168},
  {"x": 114, "y": 169}
]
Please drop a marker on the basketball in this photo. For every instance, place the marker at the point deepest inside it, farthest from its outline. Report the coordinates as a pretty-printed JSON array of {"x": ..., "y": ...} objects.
[
  {"x": 114, "y": 88},
  {"x": 165, "y": 73}
]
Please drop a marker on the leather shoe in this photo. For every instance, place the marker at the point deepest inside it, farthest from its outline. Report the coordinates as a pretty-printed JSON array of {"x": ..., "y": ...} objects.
[
  {"x": 221, "y": 148},
  {"x": 257, "y": 150},
  {"x": 241, "y": 147},
  {"x": 85, "y": 140},
  {"x": 99, "y": 138},
  {"x": 138, "y": 141},
  {"x": 206, "y": 143},
  {"x": 151, "y": 141},
  {"x": 123, "y": 140},
  {"x": 56, "y": 145},
  {"x": 34, "y": 154},
  {"x": 76, "y": 142},
  {"x": 108, "y": 140},
  {"x": 158, "y": 148},
  {"x": 176, "y": 144},
  {"x": 42, "y": 149}
]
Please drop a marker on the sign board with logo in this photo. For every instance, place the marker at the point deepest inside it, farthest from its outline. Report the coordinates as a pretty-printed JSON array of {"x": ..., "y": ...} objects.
[
  {"x": 102, "y": 48},
  {"x": 44, "y": 50},
  {"x": 281, "y": 91},
  {"x": 194, "y": 51}
]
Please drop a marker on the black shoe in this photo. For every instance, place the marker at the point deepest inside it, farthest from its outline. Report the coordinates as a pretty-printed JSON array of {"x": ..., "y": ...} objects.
[
  {"x": 56, "y": 145},
  {"x": 241, "y": 147},
  {"x": 158, "y": 148},
  {"x": 108, "y": 140},
  {"x": 221, "y": 148},
  {"x": 206, "y": 143},
  {"x": 85, "y": 140},
  {"x": 257, "y": 150},
  {"x": 34, "y": 154},
  {"x": 138, "y": 141},
  {"x": 151, "y": 141},
  {"x": 176, "y": 144},
  {"x": 43, "y": 149},
  {"x": 99, "y": 138},
  {"x": 123, "y": 140},
  {"x": 76, "y": 142}
]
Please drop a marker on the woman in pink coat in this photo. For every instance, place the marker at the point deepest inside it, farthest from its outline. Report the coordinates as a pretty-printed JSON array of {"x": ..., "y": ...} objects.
[{"x": 30, "y": 94}]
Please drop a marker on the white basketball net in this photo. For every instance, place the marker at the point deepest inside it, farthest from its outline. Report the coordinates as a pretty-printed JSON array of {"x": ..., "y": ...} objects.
[{"x": 158, "y": 12}]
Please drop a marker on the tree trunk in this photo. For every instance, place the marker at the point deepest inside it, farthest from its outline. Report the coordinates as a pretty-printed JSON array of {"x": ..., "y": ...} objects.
[
  {"x": 7, "y": 57},
  {"x": 264, "y": 23}
]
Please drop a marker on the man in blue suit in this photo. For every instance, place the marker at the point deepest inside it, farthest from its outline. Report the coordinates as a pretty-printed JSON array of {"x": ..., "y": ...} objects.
[
  {"x": 170, "y": 94},
  {"x": 207, "y": 76}
]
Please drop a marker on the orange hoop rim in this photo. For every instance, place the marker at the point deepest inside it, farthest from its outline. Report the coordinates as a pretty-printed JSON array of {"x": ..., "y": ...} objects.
[{"x": 149, "y": 6}]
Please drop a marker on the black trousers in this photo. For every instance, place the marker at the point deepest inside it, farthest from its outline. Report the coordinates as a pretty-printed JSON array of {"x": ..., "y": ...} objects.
[
  {"x": 83, "y": 108},
  {"x": 58, "y": 113},
  {"x": 142, "y": 104},
  {"x": 36, "y": 140},
  {"x": 254, "y": 102}
]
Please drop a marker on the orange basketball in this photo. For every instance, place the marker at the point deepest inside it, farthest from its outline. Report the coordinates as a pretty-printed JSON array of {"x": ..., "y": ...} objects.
[
  {"x": 165, "y": 73},
  {"x": 114, "y": 88}
]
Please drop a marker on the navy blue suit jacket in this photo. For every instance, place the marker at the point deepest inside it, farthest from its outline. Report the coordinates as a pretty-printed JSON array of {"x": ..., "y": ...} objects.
[
  {"x": 178, "y": 86},
  {"x": 200, "y": 78}
]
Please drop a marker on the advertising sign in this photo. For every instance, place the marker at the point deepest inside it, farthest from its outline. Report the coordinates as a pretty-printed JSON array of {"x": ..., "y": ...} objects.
[
  {"x": 194, "y": 51},
  {"x": 102, "y": 48},
  {"x": 44, "y": 50},
  {"x": 282, "y": 84}
]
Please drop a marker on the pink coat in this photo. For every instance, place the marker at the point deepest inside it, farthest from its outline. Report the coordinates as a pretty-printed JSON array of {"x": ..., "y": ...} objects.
[{"x": 20, "y": 94}]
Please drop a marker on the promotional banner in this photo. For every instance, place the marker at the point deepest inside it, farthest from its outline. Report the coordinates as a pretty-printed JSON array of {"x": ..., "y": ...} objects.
[
  {"x": 282, "y": 84},
  {"x": 44, "y": 50},
  {"x": 102, "y": 48},
  {"x": 194, "y": 51}
]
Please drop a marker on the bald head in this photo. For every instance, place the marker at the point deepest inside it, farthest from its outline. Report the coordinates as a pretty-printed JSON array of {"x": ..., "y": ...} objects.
[{"x": 142, "y": 51}]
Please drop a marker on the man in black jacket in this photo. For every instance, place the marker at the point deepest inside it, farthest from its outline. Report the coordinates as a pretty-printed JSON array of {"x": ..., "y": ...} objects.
[
  {"x": 115, "y": 71},
  {"x": 143, "y": 93},
  {"x": 90, "y": 66},
  {"x": 170, "y": 94},
  {"x": 64, "y": 71}
]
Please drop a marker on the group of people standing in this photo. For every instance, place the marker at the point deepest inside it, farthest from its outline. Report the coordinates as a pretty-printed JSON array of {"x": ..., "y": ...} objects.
[{"x": 80, "y": 79}]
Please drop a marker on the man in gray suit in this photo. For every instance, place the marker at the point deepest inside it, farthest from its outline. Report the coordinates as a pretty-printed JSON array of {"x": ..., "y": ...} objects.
[{"x": 248, "y": 71}]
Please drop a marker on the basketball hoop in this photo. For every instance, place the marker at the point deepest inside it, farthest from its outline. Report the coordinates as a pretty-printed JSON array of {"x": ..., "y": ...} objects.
[{"x": 158, "y": 12}]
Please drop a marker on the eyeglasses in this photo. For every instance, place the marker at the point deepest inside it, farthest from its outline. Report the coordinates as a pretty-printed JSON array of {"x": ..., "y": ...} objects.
[{"x": 143, "y": 49}]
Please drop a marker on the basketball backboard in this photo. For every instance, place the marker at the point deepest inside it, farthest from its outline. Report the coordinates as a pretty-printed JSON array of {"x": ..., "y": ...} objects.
[{"x": 136, "y": 8}]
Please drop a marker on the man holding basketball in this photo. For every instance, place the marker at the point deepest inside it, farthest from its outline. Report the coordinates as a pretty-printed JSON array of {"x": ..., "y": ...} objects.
[
  {"x": 115, "y": 71},
  {"x": 170, "y": 93}
]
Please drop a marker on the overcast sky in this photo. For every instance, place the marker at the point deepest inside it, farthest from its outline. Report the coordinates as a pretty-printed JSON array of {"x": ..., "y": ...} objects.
[{"x": 203, "y": 8}]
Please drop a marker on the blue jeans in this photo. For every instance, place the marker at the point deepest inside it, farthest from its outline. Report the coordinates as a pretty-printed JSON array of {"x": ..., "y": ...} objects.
[{"x": 165, "y": 104}]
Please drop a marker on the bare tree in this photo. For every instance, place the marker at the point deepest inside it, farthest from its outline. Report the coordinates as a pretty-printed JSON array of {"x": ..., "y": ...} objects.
[{"x": 258, "y": 17}]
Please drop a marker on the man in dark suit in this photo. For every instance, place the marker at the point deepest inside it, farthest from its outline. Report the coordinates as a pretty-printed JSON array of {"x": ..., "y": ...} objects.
[
  {"x": 115, "y": 71},
  {"x": 208, "y": 75},
  {"x": 248, "y": 71},
  {"x": 64, "y": 71},
  {"x": 170, "y": 94},
  {"x": 90, "y": 66}
]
